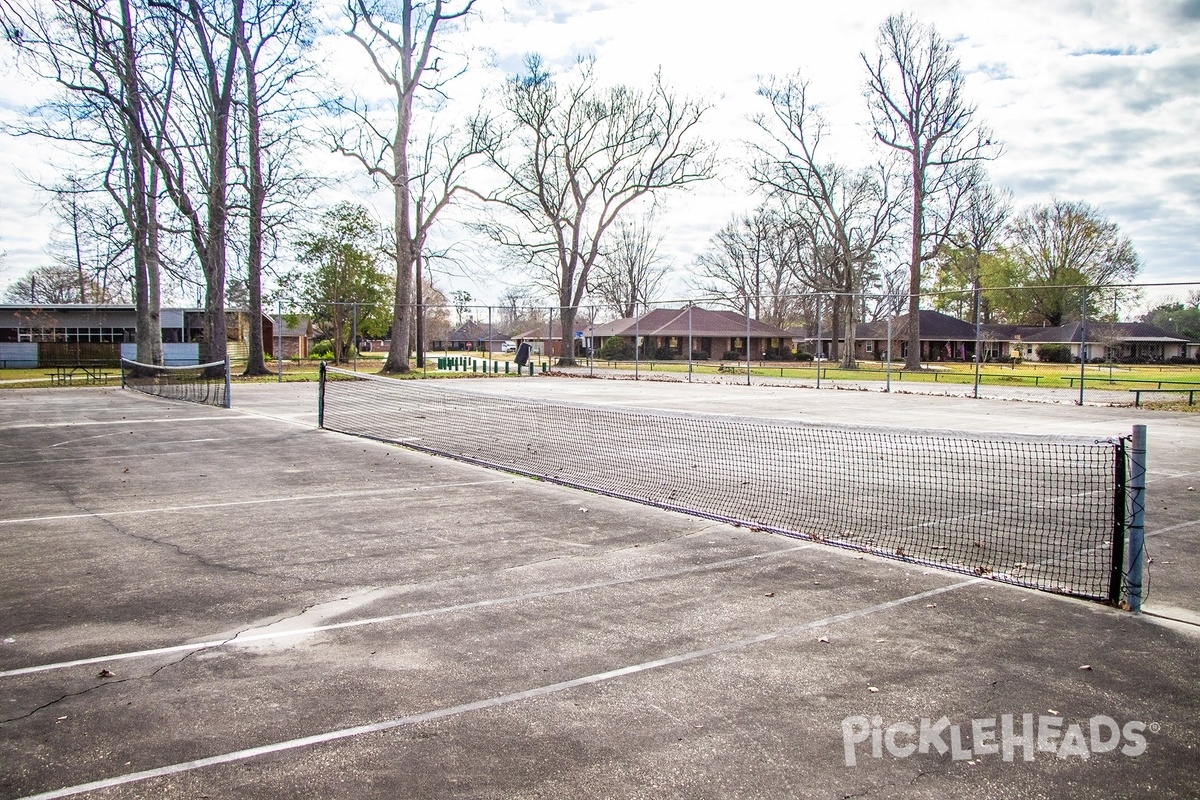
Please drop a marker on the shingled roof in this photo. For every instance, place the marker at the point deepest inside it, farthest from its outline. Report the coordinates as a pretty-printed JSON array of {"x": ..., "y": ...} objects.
[
  {"x": 935, "y": 326},
  {"x": 675, "y": 322}
]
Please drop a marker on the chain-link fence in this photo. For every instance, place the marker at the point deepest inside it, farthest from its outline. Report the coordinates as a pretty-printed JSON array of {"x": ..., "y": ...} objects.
[{"x": 1072, "y": 337}]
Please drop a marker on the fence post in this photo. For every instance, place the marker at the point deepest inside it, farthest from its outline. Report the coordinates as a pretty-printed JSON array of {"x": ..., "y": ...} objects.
[
  {"x": 978, "y": 342},
  {"x": 1137, "y": 511},
  {"x": 689, "y": 342},
  {"x": 279, "y": 340},
  {"x": 818, "y": 341},
  {"x": 321, "y": 396},
  {"x": 889, "y": 351},
  {"x": 1082, "y": 342},
  {"x": 746, "y": 344},
  {"x": 637, "y": 341}
]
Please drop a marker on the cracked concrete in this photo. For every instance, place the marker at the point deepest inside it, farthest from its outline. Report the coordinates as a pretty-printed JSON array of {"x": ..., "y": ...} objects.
[{"x": 501, "y": 589}]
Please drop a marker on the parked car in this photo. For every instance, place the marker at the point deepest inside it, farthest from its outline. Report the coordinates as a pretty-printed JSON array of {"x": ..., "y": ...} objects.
[{"x": 510, "y": 347}]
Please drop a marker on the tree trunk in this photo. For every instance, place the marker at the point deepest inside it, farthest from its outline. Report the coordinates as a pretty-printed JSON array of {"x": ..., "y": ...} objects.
[
  {"x": 835, "y": 321},
  {"x": 153, "y": 273},
  {"x": 848, "y": 359},
  {"x": 566, "y": 358},
  {"x": 255, "y": 364},
  {"x": 397, "y": 360},
  {"x": 145, "y": 264},
  {"x": 913, "y": 360}
]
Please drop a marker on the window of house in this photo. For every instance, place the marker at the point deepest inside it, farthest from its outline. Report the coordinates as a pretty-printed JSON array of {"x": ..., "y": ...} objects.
[{"x": 869, "y": 346}]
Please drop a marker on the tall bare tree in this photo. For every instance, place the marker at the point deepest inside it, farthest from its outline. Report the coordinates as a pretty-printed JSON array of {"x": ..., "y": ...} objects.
[
  {"x": 575, "y": 156},
  {"x": 976, "y": 237},
  {"x": 401, "y": 40},
  {"x": 94, "y": 51},
  {"x": 915, "y": 93},
  {"x": 272, "y": 38},
  {"x": 851, "y": 210},
  {"x": 629, "y": 271},
  {"x": 749, "y": 266}
]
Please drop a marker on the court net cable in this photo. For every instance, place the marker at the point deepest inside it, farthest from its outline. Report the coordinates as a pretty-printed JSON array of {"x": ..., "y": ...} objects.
[{"x": 1037, "y": 512}]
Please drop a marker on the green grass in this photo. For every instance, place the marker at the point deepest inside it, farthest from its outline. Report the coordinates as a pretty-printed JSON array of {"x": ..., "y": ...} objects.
[
  {"x": 1031, "y": 375},
  {"x": 1050, "y": 376}
]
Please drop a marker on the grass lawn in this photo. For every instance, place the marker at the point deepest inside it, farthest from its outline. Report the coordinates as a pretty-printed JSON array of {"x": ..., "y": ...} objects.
[{"x": 1033, "y": 375}]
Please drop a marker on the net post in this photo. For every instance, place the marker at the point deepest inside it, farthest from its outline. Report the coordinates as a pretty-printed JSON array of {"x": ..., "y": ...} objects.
[
  {"x": 122, "y": 373},
  {"x": 1119, "y": 520},
  {"x": 228, "y": 395},
  {"x": 1136, "y": 559},
  {"x": 321, "y": 395}
]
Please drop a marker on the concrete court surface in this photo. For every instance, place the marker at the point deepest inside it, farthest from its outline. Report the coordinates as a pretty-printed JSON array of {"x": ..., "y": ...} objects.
[{"x": 209, "y": 603}]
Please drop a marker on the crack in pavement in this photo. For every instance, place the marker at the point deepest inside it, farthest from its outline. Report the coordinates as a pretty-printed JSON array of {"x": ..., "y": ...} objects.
[
  {"x": 146, "y": 676},
  {"x": 179, "y": 549}
]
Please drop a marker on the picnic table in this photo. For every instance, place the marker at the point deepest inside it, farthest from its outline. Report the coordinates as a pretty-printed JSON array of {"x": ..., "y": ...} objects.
[{"x": 65, "y": 374}]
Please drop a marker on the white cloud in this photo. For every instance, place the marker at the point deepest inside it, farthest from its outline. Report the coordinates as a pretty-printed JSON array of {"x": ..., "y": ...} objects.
[{"x": 1094, "y": 101}]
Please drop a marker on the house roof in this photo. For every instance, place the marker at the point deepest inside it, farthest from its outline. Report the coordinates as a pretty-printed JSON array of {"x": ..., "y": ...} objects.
[
  {"x": 675, "y": 322},
  {"x": 296, "y": 325},
  {"x": 1124, "y": 331},
  {"x": 934, "y": 326},
  {"x": 472, "y": 331}
]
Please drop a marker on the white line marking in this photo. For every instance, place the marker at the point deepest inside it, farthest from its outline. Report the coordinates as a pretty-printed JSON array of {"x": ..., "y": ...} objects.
[
  {"x": 429, "y": 612},
  {"x": 298, "y": 423},
  {"x": 127, "y": 456},
  {"x": 491, "y": 702},
  {"x": 260, "y": 501},
  {"x": 1175, "y": 527},
  {"x": 111, "y": 422}
]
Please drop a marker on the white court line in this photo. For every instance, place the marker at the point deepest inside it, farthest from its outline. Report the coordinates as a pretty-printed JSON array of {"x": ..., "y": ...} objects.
[
  {"x": 23, "y": 425},
  {"x": 1175, "y": 527},
  {"x": 492, "y": 702},
  {"x": 428, "y": 612},
  {"x": 260, "y": 501},
  {"x": 127, "y": 456}
]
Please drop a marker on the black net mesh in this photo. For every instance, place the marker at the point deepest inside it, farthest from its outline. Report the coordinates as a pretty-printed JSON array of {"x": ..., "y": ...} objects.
[
  {"x": 1034, "y": 512},
  {"x": 203, "y": 383}
]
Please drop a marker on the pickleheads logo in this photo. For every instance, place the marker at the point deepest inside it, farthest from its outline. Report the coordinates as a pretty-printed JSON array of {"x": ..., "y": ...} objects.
[{"x": 1001, "y": 736}]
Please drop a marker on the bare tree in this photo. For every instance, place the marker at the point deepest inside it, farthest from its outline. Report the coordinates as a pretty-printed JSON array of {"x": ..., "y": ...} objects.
[
  {"x": 915, "y": 93},
  {"x": 749, "y": 266},
  {"x": 51, "y": 284},
  {"x": 630, "y": 270},
  {"x": 976, "y": 237},
  {"x": 272, "y": 39},
  {"x": 93, "y": 242},
  {"x": 851, "y": 210},
  {"x": 95, "y": 55},
  {"x": 400, "y": 39},
  {"x": 575, "y": 156},
  {"x": 518, "y": 310}
]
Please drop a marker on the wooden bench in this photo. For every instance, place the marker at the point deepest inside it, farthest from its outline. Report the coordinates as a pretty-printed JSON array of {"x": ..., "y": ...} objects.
[
  {"x": 1158, "y": 385},
  {"x": 1137, "y": 394}
]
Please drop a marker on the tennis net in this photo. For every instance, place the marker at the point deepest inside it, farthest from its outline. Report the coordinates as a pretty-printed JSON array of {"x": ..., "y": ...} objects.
[
  {"x": 202, "y": 383},
  {"x": 1041, "y": 512}
]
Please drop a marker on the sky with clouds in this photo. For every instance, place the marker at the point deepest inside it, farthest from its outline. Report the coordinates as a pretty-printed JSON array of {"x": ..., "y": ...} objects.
[{"x": 1094, "y": 100}]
